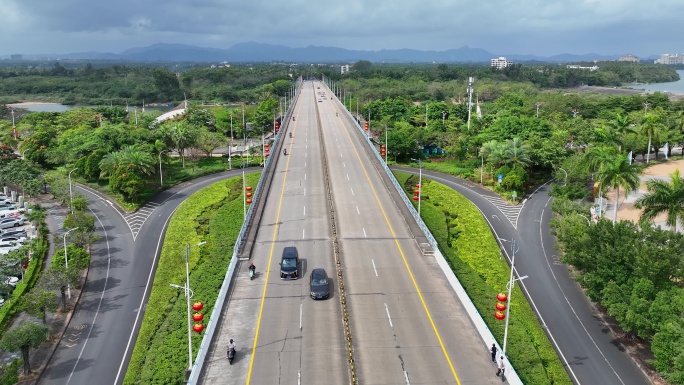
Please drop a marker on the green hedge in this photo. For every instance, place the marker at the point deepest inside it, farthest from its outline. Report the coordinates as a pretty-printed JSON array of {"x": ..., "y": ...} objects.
[
  {"x": 9, "y": 309},
  {"x": 468, "y": 245},
  {"x": 215, "y": 215}
]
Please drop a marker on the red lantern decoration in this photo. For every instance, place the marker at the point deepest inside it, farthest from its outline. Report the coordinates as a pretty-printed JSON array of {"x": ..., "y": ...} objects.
[
  {"x": 415, "y": 197},
  {"x": 383, "y": 146},
  {"x": 249, "y": 201},
  {"x": 198, "y": 328},
  {"x": 416, "y": 192},
  {"x": 266, "y": 145},
  {"x": 197, "y": 317},
  {"x": 500, "y": 306},
  {"x": 500, "y": 315},
  {"x": 197, "y": 306},
  {"x": 501, "y": 297},
  {"x": 365, "y": 126},
  {"x": 249, "y": 195},
  {"x": 248, "y": 188},
  {"x": 418, "y": 185}
]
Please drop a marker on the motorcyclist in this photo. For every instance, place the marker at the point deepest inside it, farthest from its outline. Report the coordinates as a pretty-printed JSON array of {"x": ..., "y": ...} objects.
[
  {"x": 252, "y": 268},
  {"x": 284, "y": 151},
  {"x": 290, "y": 134},
  {"x": 231, "y": 345},
  {"x": 293, "y": 119}
]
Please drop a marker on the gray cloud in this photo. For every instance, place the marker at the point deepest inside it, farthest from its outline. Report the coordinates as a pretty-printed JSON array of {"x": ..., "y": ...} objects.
[{"x": 501, "y": 26}]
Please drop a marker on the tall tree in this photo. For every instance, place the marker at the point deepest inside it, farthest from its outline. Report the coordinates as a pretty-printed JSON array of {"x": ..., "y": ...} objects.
[
  {"x": 618, "y": 173},
  {"x": 664, "y": 197},
  {"x": 59, "y": 278},
  {"x": 26, "y": 336},
  {"x": 649, "y": 126},
  {"x": 38, "y": 302}
]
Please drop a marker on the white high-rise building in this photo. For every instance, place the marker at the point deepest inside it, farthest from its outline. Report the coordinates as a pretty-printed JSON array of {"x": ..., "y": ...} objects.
[
  {"x": 666, "y": 58},
  {"x": 501, "y": 62}
]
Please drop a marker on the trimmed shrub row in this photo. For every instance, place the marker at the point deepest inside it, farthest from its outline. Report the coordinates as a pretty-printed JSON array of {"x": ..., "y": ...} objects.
[{"x": 215, "y": 215}]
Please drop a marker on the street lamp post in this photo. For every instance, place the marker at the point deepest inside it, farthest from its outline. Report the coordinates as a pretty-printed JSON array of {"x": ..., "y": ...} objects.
[
  {"x": 161, "y": 176},
  {"x": 71, "y": 192},
  {"x": 511, "y": 282},
  {"x": 66, "y": 259},
  {"x": 420, "y": 182},
  {"x": 230, "y": 145},
  {"x": 565, "y": 182},
  {"x": 188, "y": 295}
]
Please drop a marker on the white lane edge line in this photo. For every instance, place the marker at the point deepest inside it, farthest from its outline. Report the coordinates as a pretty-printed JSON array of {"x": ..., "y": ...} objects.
[
  {"x": 357, "y": 210},
  {"x": 406, "y": 378},
  {"x": 388, "y": 316},
  {"x": 364, "y": 233},
  {"x": 301, "y": 306},
  {"x": 104, "y": 290},
  {"x": 142, "y": 300},
  {"x": 570, "y": 305},
  {"x": 374, "y": 269}
]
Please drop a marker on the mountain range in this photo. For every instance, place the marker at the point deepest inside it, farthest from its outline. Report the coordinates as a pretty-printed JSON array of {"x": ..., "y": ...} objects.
[{"x": 258, "y": 52}]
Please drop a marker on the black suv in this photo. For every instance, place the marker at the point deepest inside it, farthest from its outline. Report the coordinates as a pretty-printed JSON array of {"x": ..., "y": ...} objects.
[{"x": 289, "y": 263}]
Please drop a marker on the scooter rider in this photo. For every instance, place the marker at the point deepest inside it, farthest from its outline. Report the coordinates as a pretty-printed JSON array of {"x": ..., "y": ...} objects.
[
  {"x": 290, "y": 134},
  {"x": 231, "y": 345},
  {"x": 284, "y": 151},
  {"x": 252, "y": 268}
]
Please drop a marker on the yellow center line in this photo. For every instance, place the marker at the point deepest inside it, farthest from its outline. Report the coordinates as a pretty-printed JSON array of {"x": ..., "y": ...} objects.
[
  {"x": 403, "y": 257},
  {"x": 270, "y": 256}
]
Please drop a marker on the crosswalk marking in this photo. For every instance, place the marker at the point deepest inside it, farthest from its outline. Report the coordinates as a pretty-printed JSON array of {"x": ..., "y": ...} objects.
[
  {"x": 511, "y": 212},
  {"x": 137, "y": 219}
]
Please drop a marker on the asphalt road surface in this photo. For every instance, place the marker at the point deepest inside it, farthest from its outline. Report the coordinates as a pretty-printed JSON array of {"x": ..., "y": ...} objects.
[
  {"x": 589, "y": 351},
  {"x": 407, "y": 324},
  {"x": 101, "y": 335}
]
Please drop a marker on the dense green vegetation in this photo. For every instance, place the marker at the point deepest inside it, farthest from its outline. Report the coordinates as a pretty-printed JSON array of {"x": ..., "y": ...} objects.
[
  {"x": 469, "y": 247},
  {"x": 213, "y": 214},
  {"x": 132, "y": 85},
  {"x": 635, "y": 273}
]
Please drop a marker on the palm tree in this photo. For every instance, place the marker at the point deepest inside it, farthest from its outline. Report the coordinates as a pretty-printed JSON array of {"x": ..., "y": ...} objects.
[
  {"x": 131, "y": 157},
  {"x": 649, "y": 126},
  {"x": 664, "y": 197},
  {"x": 494, "y": 152},
  {"x": 516, "y": 152},
  {"x": 622, "y": 126},
  {"x": 618, "y": 173},
  {"x": 596, "y": 156}
]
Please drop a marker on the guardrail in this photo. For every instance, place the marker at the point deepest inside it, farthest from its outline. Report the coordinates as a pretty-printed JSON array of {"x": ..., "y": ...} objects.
[
  {"x": 198, "y": 365},
  {"x": 475, "y": 316}
]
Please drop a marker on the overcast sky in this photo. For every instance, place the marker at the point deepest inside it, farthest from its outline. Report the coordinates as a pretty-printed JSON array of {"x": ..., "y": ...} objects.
[{"x": 542, "y": 27}]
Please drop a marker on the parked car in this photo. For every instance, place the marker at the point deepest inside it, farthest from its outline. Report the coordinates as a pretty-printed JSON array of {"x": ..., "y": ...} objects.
[
  {"x": 13, "y": 232},
  {"x": 5, "y": 207},
  {"x": 6, "y": 223},
  {"x": 7, "y": 247},
  {"x": 13, "y": 238},
  {"x": 318, "y": 284},
  {"x": 12, "y": 281}
]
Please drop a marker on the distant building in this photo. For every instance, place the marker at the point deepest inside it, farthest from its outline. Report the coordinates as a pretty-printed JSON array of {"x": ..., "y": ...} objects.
[
  {"x": 666, "y": 58},
  {"x": 16, "y": 57},
  {"x": 501, "y": 62},
  {"x": 344, "y": 69},
  {"x": 579, "y": 67},
  {"x": 631, "y": 58}
]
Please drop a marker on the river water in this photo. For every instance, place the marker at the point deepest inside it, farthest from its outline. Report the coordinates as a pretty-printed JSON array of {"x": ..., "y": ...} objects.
[
  {"x": 673, "y": 87},
  {"x": 56, "y": 107}
]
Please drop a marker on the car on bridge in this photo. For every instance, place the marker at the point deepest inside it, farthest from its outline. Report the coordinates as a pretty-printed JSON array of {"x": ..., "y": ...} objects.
[
  {"x": 318, "y": 284},
  {"x": 289, "y": 263}
]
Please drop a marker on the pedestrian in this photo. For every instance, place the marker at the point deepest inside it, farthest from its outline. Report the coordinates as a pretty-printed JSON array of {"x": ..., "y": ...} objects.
[
  {"x": 501, "y": 367},
  {"x": 494, "y": 350}
]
